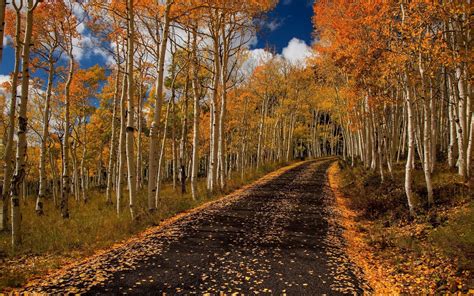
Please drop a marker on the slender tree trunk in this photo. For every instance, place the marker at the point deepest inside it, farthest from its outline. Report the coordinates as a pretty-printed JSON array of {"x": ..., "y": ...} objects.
[
  {"x": 66, "y": 145},
  {"x": 139, "y": 139},
  {"x": 462, "y": 126},
  {"x": 196, "y": 96},
  {"x": 426, "y": 136},
  {"x": 470, "y": 147},
  {"x": 154, "y": 129},
  {"x": 184, "y": 136},
  {"x": 452, "y": 132},
  {"x": 8, "y": 154},
  {"x": 132, "y": 182},
  {"x": 213, "y": 153},
  {"x": 113, "y": 140},
  {"x": 83, "y": 158},
  {"x": 411, "y": 150},
  {"x": 222, "y": 116},
  {"x": 122, "y": 150},
  {"x": 174, "y": 145},
  {"x": 44, "y": 138},
  {"x": 52, "y": 164},
  {"x": 162, "y": 152},
  {"x": 20, "y": 170}
]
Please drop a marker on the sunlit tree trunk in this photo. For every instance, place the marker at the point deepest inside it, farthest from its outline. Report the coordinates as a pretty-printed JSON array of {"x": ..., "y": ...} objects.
[
  {"x": 139, "y": 138},
  {"x": 65, "y": 189},
  {"x": 426, "y": 136},
  {"x": 8, "y": 154},
  {"x": 196, "y": 97},
  {"x": 154, "y": 129},
  {"x": 122, "y": 149},
  {"x": 113, "y": 140},
  {"x": 44, "y": 138},
  {"x": 132, "y": 182},
  {"x": 20, "y": 170},
  {"x": 83, "y": 159},
  {"x": 411, "y": 149},
  {"x": 461, "y": 124},
  {"x": 184, "y": 136},
  {"x": 174, "y": 144},
  {"x": 222, "y": 115},
  {"x": 161, "y": 157},
  {"x": 213, "y": 156}
]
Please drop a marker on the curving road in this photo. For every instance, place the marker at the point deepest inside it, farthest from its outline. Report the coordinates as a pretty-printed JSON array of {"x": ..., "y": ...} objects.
[{"x": 279, "y": 236}]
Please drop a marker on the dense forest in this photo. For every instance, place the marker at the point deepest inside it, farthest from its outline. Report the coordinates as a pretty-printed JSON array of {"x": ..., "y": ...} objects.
[
  {"x": 183, "y": 101},
  {"x": 402, "y": 79}
]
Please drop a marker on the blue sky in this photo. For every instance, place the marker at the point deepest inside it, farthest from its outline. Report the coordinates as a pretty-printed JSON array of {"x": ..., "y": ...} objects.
[
  {"x": 286, "y": 30},
  {"x": 290, "y": 19}
]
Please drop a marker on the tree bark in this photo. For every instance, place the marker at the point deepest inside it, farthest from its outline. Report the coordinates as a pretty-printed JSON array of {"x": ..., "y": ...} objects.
[
  {"x": 196, "y": 97},
  {"x": 113, "y": 140},
  {"x": 44, "y": 138},
  {"x": 20, "y": 170},
  {"x": 132, "y": 182},
  {"x": 8, "y": 156},
  {"x": 154, "y": 129},
  {"x": 122, "y": 149},
  {"x": 411, "y": 150}
]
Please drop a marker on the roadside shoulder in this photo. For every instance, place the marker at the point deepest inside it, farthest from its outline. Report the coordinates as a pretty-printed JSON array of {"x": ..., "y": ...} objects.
[{"x": 357, "y": 249}]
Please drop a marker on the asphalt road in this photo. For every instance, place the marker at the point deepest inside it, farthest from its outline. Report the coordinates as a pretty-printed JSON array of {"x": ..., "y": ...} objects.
[{"x": 278, "y": 237}]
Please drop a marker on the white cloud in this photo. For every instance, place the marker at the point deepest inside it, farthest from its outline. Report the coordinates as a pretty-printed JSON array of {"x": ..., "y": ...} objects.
[
  {"x": 270, "y": 25},
  {"x": 273, "y": 25},
  {"x": 254, "y": 41},
  {"x": 81, "y": 28},
  {"x": 297, "y": 51},
  {"x": 256, "y": 57},
  {"x": 87, "y": 45}
]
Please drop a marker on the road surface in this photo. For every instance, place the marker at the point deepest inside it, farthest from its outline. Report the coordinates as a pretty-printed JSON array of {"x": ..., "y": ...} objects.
[{"x": 279, "y": 236}]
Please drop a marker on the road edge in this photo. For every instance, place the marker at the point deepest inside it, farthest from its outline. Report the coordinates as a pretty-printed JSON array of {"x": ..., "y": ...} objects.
[{"x": 356, "y": 247}]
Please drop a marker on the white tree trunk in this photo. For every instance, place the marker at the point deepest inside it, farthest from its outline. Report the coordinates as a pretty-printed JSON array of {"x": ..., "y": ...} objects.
[
  {"x": 122, "y": 149},
  {"x": 44, "y": 138},
  {"x": 65, "y": 189},
  {"x": 154, "y": 129},
  {"x": 196, "y": 95},
  {"x": 8, "y": 154},
  {"x": 411, "y": 150},
  {"x": 113, "y": 140},
  {"x": 20, "y": 170},
  {"x": 132, "y": 182}
]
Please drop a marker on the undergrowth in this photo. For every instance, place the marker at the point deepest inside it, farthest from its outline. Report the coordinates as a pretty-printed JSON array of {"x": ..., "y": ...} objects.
[{"x": 445, "y": 229}]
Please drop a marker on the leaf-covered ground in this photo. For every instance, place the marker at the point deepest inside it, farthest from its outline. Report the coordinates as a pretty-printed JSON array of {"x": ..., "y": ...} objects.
[
  {"x": 277, "y": 236},
  {"x": 407, "y": 257}
]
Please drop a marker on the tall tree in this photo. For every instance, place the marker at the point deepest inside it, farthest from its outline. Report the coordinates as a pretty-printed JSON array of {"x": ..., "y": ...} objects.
[{"x": 20, "y": 169}]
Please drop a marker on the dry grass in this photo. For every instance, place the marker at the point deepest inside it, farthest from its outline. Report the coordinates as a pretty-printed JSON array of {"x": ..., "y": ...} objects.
[
  {"x": 50, "y": 241},
  {"x": 432, "y": 253}
]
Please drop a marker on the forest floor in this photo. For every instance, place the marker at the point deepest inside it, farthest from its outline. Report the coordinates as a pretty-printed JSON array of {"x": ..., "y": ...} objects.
[
  {"x": 430, "y": 254},
  {"x": 280, "y": 235},
  {"x": 50, "y": 242}
]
